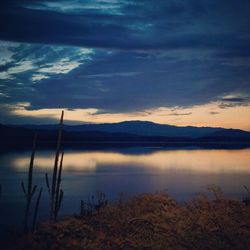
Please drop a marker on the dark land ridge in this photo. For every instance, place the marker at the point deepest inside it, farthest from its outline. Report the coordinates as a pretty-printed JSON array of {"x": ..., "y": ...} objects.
[{"x": 137, "y": 133}]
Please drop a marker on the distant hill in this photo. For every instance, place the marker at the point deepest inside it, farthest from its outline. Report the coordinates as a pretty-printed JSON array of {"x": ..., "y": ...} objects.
[
  {"x": 129, "y": 132},
  {"x": 145, "y": 128}
]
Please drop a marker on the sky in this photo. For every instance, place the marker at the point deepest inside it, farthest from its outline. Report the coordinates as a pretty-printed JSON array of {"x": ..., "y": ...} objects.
[{"x": 171, "y": 62}]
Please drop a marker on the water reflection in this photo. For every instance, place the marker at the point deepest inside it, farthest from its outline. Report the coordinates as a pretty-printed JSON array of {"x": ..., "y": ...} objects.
[
  {"x": 182, "y": 172},
  {"x": 195, "y": 161}
]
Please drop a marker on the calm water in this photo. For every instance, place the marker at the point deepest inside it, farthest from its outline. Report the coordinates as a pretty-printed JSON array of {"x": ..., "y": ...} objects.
[{"x": 183, "y": 173}]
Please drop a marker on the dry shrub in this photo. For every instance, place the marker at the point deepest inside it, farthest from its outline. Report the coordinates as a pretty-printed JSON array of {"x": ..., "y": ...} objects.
[{"x": 151, "y": 221}]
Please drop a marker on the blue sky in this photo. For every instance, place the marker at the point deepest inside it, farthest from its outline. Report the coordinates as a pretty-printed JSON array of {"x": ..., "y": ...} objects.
[{"x": 124, "y": 57}]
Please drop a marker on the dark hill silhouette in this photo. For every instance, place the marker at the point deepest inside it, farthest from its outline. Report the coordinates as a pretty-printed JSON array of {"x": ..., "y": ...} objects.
[
  {"x": 145, "y": 128},
  {"x": 129, "y": 132}
]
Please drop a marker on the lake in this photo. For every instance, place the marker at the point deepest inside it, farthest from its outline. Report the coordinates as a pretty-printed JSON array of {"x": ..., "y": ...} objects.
[{"x": 182, "y": 172}]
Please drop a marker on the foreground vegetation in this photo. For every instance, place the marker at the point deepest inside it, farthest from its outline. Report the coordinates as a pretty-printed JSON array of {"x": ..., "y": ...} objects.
[{"x": 149, "y": 221}]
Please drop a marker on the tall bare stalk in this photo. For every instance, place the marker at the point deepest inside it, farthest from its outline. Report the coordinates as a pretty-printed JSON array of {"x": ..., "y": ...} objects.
[
  {"x": 56, "y": 194},
  {"x": 30, "y": 191},
  {"x": 59, "y": 192},
  {"x": 36, "y": 209}
]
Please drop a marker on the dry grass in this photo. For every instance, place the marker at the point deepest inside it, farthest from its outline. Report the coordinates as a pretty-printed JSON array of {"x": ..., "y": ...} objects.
[{"x": 150, "y": 221}]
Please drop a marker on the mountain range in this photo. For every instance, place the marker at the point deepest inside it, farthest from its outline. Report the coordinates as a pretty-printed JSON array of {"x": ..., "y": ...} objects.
[{"x": 128, "y": 131}]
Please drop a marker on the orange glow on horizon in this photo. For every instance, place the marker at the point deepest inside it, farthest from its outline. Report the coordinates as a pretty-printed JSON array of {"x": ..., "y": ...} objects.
[{"x": 208, "y": 115}]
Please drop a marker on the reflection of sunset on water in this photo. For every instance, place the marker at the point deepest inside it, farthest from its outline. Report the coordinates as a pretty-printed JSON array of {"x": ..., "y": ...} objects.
[{"x": 193, "y": 161}]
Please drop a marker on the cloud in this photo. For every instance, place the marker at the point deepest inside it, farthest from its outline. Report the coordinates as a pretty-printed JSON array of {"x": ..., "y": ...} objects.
[
  {"x": 20, "y": 67},
  {"x": 5, "y": 76},
  {"x": 33, "y": 63},
  {"x": 114, "y": 74},
  {"x": 119, "y": 81},
  {"x": 5, "y": 56},
  {"x": 214, "y": 113},
  {"x": 21, "y": 113},
  {"x": 25, "y": 65},
  {"x": 179, "y": 114},
  {"x": 139, "y": 25},
  {"x": 63, "y": 66},
  {"x": 124, "y": 56},
  {"x": 234, "y": 101},
  {"x": 16, "y": 68},
  {"x": 38, "y": 77},
  {"x": 76, "y": 6},
  {"x": 3, "y": 95}
]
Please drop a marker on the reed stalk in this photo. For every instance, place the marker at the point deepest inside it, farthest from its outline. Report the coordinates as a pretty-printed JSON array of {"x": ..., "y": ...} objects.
[
  {"x": 56, "y": 194},
  {"x": 30, "y": 191},
  {"x": 59, "y": 192},
  {"x": 36, "y": 209}
]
